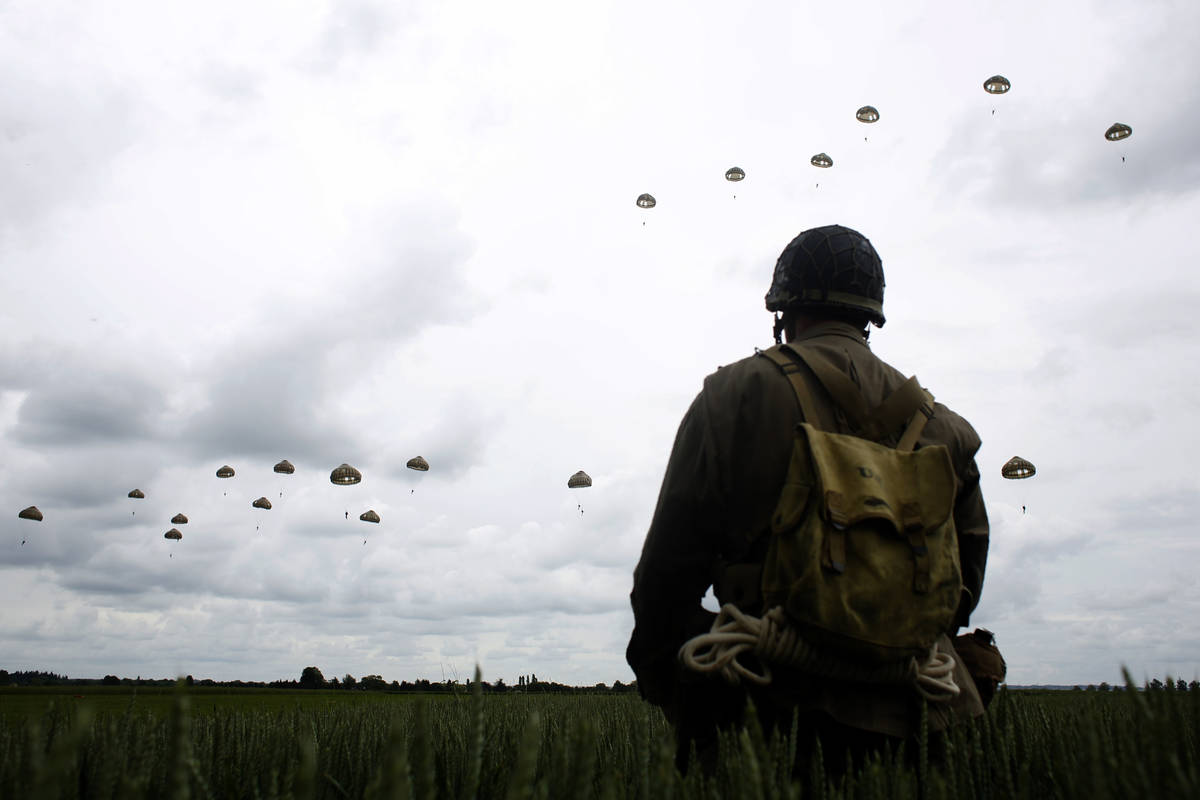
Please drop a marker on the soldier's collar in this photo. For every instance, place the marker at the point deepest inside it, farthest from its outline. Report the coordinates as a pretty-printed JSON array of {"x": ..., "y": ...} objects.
[{"x": 832, "y": 328}]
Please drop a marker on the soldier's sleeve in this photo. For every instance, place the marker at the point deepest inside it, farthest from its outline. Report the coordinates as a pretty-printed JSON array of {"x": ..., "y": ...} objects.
[
  {"x": 677, "y": 559},
  {"x": 971, "y": 522}
]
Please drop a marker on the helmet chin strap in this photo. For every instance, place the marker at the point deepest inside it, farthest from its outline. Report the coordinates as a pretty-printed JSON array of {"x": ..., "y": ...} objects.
[{"x": 778, "y": 328}]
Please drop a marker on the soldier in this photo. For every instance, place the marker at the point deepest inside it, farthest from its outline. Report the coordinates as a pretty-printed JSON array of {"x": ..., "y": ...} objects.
[{"x": 713, "y": 522}]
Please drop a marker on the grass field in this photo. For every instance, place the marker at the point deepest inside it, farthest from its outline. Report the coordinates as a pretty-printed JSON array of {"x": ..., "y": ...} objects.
[
  {"x": 29, "y": 702},
  {"x": 210, "y": 743}
]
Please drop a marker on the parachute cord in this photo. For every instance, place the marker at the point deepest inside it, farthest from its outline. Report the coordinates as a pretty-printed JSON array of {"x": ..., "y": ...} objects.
[
  {"x": 935, "y": 677},
  {"x": 773, "y": 640}
]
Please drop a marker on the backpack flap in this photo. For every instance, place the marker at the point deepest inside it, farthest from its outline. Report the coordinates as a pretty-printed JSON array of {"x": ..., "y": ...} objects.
[{"x": 864, "y": 554}]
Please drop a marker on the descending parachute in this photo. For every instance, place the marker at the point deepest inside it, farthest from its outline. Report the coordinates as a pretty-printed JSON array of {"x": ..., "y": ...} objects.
[
  {"x": 867, "y": 114},
  {"x": 284, "y": 467},
  {"x": 1017, "y": 468},
  {"x": 138, "y": 494},
  {"x": 735, "y": 174},
  {"x": 997, "y": 84},
  {"x": 646, "y": 201},
  {"x": 579, "y": 480},
  {"x": 30, "y": 513},
  {"x": 1118, "y": 131},
  {"x": 225, "y": 472},
  {"x": 262, "y": 502},
  {"x": 173, "y": 534},
  {"x": 345, "y": 475},
  {"x": 418, "y": 463},
  {"x": 369, "y": 516},
  {"x": 821, "y": 160},
  {"x": 179, "y": 519}
]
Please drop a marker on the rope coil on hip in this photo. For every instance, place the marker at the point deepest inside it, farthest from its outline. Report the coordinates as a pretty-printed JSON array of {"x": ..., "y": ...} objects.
[{"x": 774, "y": 641}]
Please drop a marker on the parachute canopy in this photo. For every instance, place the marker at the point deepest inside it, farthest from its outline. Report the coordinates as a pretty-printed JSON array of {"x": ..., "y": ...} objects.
[
  {"x": 285, "y": 467},
  {"x": 345, "y": 475},
  {"x": 1118, "y": 131},
  {"x": 173, "y": 534},
  {"x": 867, "y": 114},
  {"x": 179, "y": 519},
  {"x": 646, "y": 201},
  {"x": 30, "y": 513},
  {"x": 262, "y": 502},
  {"x": 418, "y": 463},
  {"x": 138, "y": 493},
  {"x": 1016, "y": 468},
  {"x": 225, "y": 472},
  {"x": 579, "y": 480},
  {"x": 369, "y": 516},
  {"x": 822, "y": 160},
  {"x": 997, "y": 84},
  {"x": 735, "y": 174}
]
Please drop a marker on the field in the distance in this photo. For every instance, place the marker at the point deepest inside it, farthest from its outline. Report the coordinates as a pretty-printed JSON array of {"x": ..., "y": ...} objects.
[{"x": 223, "y": 743}]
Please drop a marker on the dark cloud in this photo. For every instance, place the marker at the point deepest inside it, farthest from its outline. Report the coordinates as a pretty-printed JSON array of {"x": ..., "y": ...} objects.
[
  {"x": 77, "y": 399},
  {"x": 268, "y": 399}
]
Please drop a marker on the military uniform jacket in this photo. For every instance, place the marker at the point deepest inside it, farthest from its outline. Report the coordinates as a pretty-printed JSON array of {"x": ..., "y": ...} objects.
[{"x": 723, "y": 479}]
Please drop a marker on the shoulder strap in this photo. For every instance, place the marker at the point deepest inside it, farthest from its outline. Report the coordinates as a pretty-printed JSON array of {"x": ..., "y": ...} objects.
[
  {"x": 909, "y": 402},
  {"x": 793, "y": 369},
  {"x": 924, "y": 413},
  {"x": 843, "y": 390}
]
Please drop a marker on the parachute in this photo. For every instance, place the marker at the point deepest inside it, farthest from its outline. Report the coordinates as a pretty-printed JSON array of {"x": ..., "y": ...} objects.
[
  {"x": 418, "y": 463},
  {"x": 579, "y": 480},
  {"x": 369, "y": 516},
  {"x": 1118, "y": 131},
  {"x": 30, "y": 513},
  {"x": 646, "y": 201},
  {"x": 179, "y": 519},
  {"x": 345, "y": 475},
  {"x": 263, "y": 503},
  {"x": 225, "y": 472},
  {"x": 1017, "y": 468},
  {"x": 821, "y": 160},
  {"x": 138, "y": 493},
  {"x": 997, "y": 84},
  {"x": 867, "y": 114},
  {"x": 284, "y": 467},
  {"x": 173, "y": 534},
  {"x": 735, "y": 174}
]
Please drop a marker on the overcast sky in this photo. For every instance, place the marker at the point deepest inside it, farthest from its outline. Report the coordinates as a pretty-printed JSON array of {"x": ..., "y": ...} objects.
[{"x": 359, "y": 232}]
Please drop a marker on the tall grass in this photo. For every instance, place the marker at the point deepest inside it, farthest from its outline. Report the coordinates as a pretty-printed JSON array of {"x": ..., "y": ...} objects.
[{"x": 1087, "y": 745}]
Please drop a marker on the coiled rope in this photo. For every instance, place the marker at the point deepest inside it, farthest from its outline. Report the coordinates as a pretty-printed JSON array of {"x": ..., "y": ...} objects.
[{"x": 774, "y": 641}]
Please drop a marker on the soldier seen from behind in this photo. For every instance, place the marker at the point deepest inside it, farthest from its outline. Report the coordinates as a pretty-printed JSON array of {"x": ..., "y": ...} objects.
[{"x": 835, "y": 510}]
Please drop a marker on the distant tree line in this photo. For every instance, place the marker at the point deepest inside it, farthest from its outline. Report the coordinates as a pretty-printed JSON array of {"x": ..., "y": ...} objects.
[{"x": 312, "y": 678}]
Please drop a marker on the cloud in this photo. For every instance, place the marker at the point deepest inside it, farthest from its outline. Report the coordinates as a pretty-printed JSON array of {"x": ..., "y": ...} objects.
[{"x": 355, "y": 29}]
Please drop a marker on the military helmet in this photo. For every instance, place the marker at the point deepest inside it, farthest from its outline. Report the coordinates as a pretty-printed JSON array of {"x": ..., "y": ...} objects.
[{"x": 829, "y": 267}]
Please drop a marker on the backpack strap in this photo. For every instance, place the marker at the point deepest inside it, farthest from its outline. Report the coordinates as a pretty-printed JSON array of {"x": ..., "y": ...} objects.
[
  {"x": 910, "y": 402},
  {"x": 924, "y": 413},
  {"x": 793, "y": 369}
]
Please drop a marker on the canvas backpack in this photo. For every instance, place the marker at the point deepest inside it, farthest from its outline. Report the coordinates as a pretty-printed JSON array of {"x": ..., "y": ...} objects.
[{"x": 863, "y": 554}]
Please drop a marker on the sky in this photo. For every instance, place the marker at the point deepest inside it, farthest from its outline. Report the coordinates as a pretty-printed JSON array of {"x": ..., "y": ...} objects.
[{"x": 362, "y": 231}]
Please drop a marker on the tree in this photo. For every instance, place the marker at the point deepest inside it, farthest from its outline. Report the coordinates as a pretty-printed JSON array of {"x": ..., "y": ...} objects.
[
  {"x": 374, "y": 683},
  {"x": 1104, "y": 687},
  {"x": 1181, "y": 685},
  {"x": 311, "y": 678},
  {"x": 189, "y": 680},
  {"x": 1156, "y": 684},
  {"x": 111, "y": 680},
  {"x": 348, "y": 682}
]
